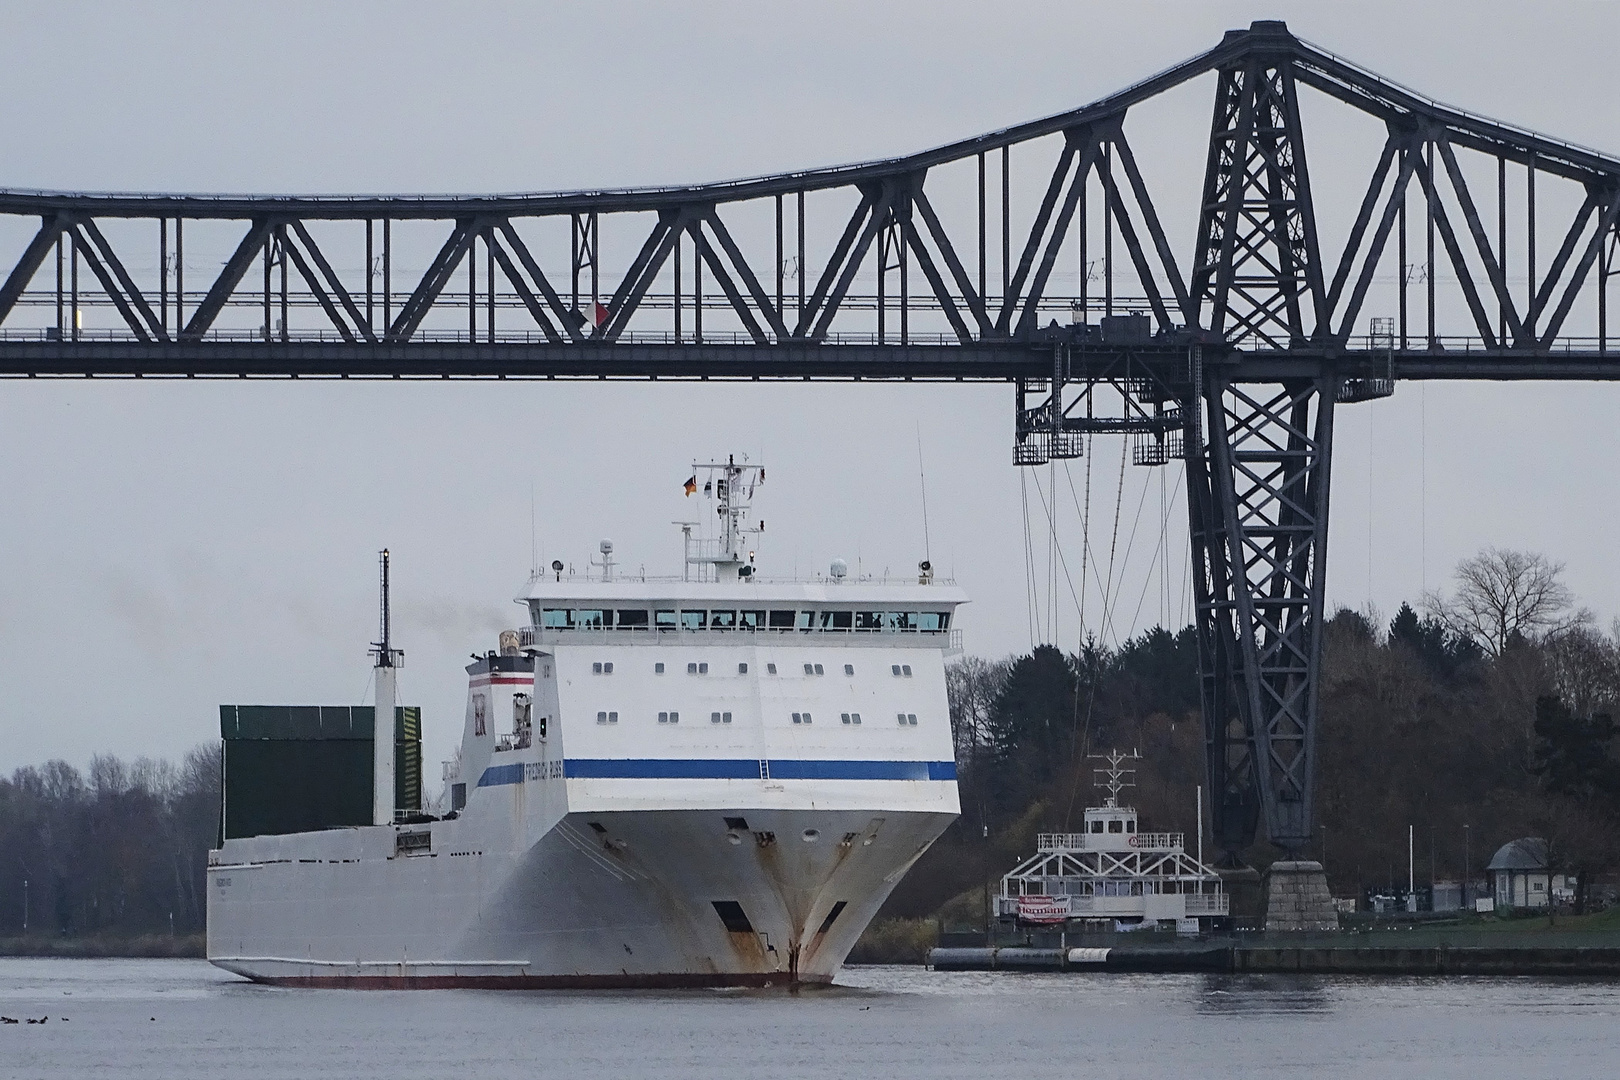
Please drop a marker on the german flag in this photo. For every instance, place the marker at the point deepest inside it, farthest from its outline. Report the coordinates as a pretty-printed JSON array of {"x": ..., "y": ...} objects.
[{"x": 691, "y": 484}]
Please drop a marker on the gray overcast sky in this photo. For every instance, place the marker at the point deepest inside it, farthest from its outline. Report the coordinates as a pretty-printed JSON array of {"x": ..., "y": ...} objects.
[{"x": 167, "y": 547}]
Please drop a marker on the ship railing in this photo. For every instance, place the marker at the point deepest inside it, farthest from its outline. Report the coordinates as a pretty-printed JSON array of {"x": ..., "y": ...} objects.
[
  {"x": 1208, "y": 903},
  {"x": 1142, "y": 841}
]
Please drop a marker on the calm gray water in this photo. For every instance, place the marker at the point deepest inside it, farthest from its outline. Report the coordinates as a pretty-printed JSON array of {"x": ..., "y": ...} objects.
[{"x": 181, "y": 1018}]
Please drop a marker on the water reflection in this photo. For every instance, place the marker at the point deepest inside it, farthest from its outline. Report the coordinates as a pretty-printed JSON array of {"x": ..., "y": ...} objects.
[{"x": 1264, "y": 994}]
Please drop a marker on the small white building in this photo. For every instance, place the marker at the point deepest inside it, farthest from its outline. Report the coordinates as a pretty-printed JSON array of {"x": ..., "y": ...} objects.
[{"x": 1519, "y": 877}]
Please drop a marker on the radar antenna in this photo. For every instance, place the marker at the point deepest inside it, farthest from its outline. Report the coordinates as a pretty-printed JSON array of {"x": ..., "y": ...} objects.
[{"x": 1115, "y": 776}]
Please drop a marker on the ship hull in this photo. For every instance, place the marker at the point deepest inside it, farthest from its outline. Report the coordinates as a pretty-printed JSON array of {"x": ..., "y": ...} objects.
[{"x": 649, "y": 898}]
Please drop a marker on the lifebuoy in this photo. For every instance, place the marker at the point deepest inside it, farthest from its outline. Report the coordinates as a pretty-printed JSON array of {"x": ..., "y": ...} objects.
[{"x": 1132, "y": 840}]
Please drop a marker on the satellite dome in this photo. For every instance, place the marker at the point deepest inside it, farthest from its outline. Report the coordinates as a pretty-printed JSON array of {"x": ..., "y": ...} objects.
[{"x": 840, "y": 569}]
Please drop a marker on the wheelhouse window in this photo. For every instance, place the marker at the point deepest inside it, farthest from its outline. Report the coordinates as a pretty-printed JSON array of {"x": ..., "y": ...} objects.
[
  {"x": 693, "y": 620},
  {"x": 783, "y": 620},
  {"x": 837, "y": 620},
  {"x": 631, "y": 618},
  {"x": 751, "y": 620},
  {"x": 720, "y": 619},
  {"x": 869, "y": 620},
  {"x": 665, "y": 620},
  {"x": 932, "y": 622}
]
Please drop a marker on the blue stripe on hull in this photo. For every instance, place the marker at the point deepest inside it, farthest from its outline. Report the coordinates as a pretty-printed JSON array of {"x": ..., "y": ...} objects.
[{"x": 730, "y": 769}]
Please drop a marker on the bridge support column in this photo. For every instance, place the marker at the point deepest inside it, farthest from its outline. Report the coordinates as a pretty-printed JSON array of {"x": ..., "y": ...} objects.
[{"x": 1257, "y": 482}]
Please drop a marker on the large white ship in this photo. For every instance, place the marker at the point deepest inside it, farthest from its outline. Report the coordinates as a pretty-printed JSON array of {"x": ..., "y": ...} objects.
[{"x": 710, "y": 781}]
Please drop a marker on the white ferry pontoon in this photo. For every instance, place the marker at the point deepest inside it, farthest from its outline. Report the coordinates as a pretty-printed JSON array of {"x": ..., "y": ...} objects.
[
  {"x": 709, "y": 781},
  {"x": 1111, "y": 875}
]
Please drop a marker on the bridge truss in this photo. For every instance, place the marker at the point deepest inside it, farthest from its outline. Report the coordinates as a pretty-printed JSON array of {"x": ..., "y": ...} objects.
[{"x": 1234, "y": 358}]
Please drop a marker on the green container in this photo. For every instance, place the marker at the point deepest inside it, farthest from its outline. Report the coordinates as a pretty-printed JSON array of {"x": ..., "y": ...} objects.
[{"x": 302, "y": 768}]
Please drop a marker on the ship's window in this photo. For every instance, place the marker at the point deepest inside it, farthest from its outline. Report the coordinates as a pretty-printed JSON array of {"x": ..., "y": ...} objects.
[
  {"x": 894, "y": 620},
  {"x": 742, "y": 669},
  {"x": 658, "y": 668},
  {"x": 545, "y": 671},
  {"x": 1130, "y": 826},
  {"x": 911, "y": 718},
  {"x": 1116, "y": 826},
  {"x": 599, "y": 828},
  {"x": 902, "y": 718},
  {"x": 806, "y": 717},
  {"x": 665, "y": 620},
  {"x": 782, "y": 620},
  {"x": 837, "y": 620},
  {"x": 663, "y": 718},
  {"x": 809, "y": 669},
  {"x": 589, "y": 619},
  {"x": 805, "y": 621},
  {"x": 691, "y": 669},
  {"x": 905, "y": 669},
  {"x": 798, "y": 718},
  {"x": 751, "y": 620},
  {"x": 849, "y": 669},
  {"x": 722, "y": 620},
  {"x": 819, "y": 671},
  {"x": 596, "y": 668},
  {"x": 928, "y": 621},
  {"x": 725, "y": 718},
  {"x": 714, "y": 718},
  {"x": 692, "y": 620},
  {"x": 854, "y": 717},
  {"x": 770, "y": 669},
  {"x": 632, "y": 618},
  {"x": 703, "y": 669},
  {"x": 554, "y": 619},
  {"x": 601, "y": 717},
  {"x": 674, "y": 717},
  {"x": 1096, "y": 826},
  {"x": 844, "y": 717},
  {"x": 613, "y": 718},
  {"x": 738, "y": 823},
  {"x": 868, "y": 620},
  {"x": 895, "y": 668},
  {"x": 458, "y": 797}
]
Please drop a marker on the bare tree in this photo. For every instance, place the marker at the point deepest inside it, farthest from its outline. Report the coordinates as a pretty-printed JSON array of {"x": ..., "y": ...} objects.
[
  {"x": 1505, "y": 595},
  {"x": 973, "y": 684}
]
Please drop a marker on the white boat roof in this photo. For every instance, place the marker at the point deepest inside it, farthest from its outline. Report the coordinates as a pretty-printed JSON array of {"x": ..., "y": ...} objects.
[{"x": 891, "y": 593}]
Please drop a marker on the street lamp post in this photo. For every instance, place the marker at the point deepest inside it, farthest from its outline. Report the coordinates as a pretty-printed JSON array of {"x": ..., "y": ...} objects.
[
  {"x": 25, "y": 905},
  {"x": 1468, "y": 877}
]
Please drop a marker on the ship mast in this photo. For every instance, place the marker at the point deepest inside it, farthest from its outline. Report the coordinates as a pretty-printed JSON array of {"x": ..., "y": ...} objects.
[
  {"x": 388, "y": 661},
  {"x": 732, "y": 487}
]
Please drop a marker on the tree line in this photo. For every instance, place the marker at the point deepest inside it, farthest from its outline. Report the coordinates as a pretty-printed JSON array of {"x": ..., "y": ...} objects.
[
  {"x": 118, "y": 851},
  {"x": 1477, "y": 716}
]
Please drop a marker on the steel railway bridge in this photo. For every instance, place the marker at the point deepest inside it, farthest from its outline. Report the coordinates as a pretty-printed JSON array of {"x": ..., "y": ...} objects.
[{"x": 1233, "y": 359}]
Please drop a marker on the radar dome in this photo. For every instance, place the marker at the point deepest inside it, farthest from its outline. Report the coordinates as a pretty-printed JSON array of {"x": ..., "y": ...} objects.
[{"x": 840, "y": 569}]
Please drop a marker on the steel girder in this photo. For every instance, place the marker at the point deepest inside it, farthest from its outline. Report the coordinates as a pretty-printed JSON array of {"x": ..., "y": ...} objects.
[{"x": 1258, "y": 502}]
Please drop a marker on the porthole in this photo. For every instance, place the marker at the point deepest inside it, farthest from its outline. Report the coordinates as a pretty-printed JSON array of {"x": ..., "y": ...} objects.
[{"x": 810, "y": 836}]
